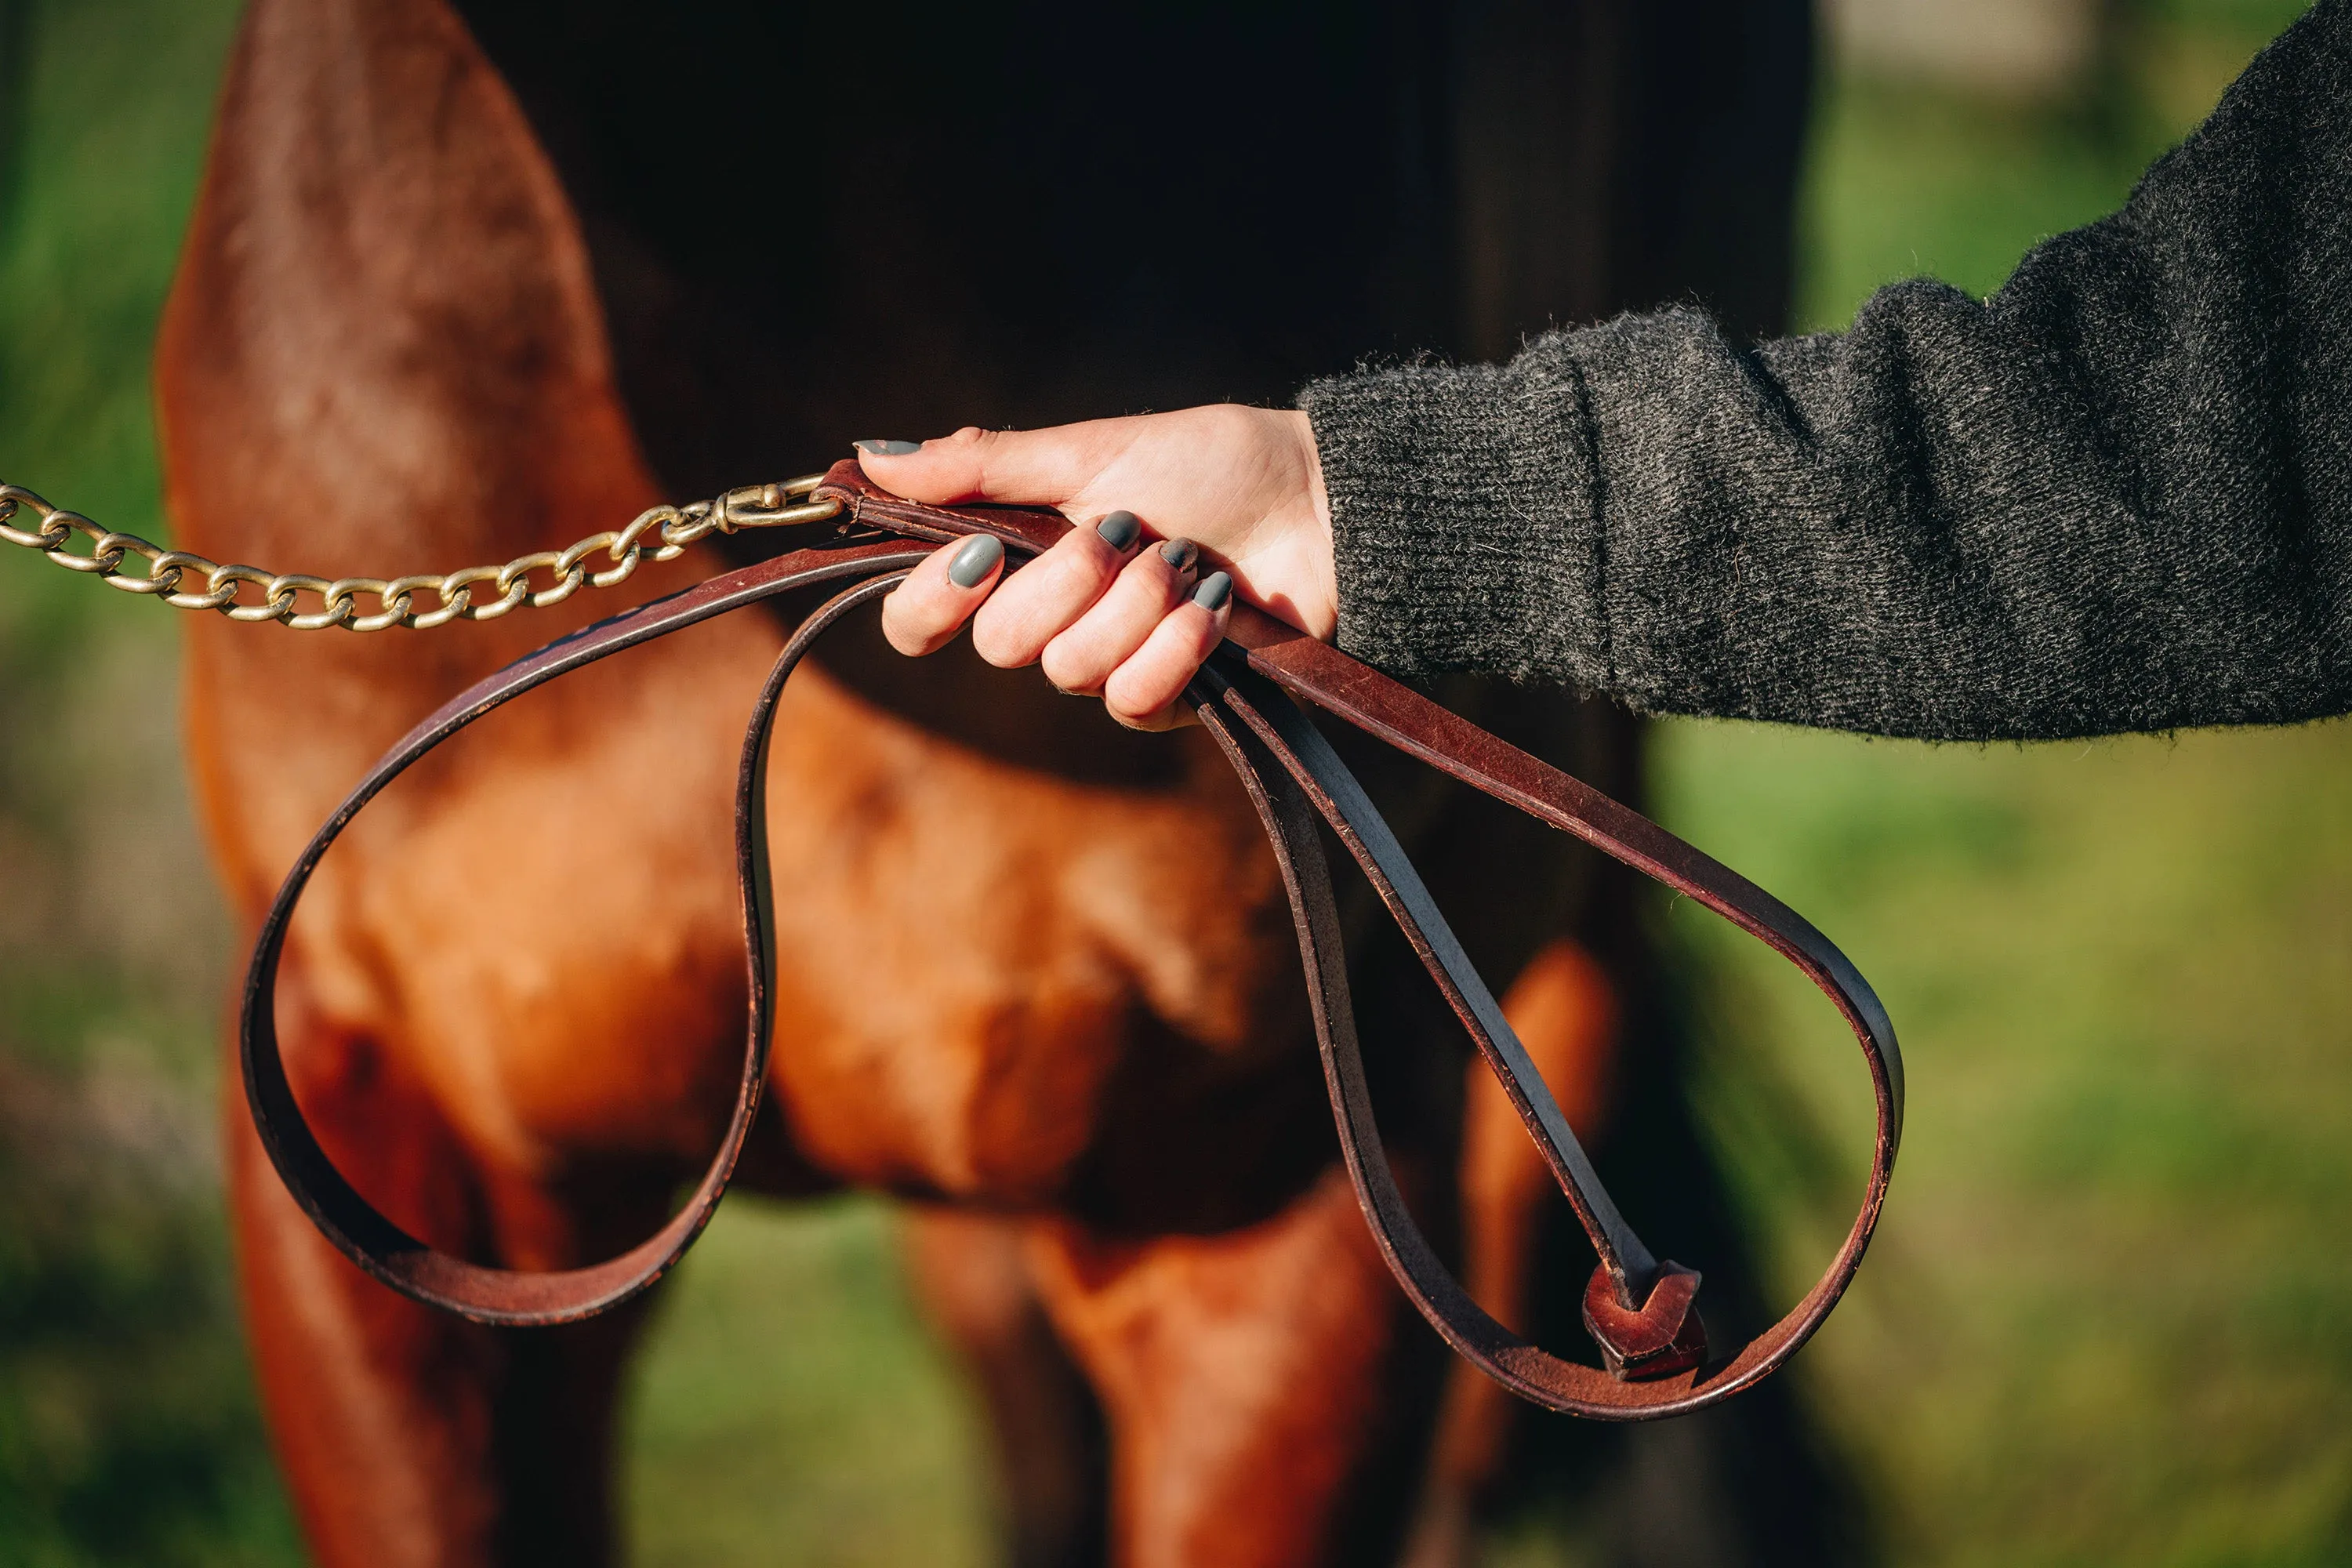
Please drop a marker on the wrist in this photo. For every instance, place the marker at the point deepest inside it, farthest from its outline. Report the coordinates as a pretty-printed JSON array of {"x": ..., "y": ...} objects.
[
  {"x": 1303, "y": 528},
  {"x": 1302, "y": 435}
]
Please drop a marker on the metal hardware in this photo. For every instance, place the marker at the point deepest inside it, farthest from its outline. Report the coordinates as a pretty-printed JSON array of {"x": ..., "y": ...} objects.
[{"x": 566, "y": 571}]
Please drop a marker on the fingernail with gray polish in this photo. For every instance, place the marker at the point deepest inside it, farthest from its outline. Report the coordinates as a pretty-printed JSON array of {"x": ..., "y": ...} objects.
[
  {"x": 890, "y": 448},
  {"x": 1214, "y": 590},
  {"x": 1118, "y": 531},
  {"x": 970, "y": 566},
  {"x": 1180, "y": 553}
]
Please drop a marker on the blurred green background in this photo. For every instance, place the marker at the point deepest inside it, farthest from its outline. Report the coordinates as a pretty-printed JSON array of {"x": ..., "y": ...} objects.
[{"x": 2105, "y": 1322}]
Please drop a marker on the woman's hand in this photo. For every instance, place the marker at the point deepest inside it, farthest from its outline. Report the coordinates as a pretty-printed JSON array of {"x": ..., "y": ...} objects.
[{"x": 1175, "y": 512}]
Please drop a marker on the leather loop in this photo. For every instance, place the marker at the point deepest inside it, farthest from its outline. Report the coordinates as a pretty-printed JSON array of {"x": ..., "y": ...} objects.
[
  {"x": 1294, "y": 776},
  {"x": 512, "y": 1297},
  {"x": 1641, "y": 1311}
]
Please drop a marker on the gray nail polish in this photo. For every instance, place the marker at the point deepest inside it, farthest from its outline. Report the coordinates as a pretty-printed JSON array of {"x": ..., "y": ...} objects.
[
  {"x": 1180, "y": 553},
  {"x": 1118, "y": 531},
  {"x": 1214, "y": 590},
  {"x": 972, "y": 564},
  {"x": 890, "y": 448}
]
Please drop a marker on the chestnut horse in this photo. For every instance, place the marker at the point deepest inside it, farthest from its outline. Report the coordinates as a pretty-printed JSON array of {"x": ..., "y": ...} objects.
[{"x": 464, "y": 286}]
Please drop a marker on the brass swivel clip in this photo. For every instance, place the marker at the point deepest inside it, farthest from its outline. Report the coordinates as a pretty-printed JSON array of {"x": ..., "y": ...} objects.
[{"x": 776, "y": 505}]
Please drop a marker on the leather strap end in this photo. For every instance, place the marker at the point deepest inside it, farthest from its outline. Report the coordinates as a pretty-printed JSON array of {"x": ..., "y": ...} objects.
[{"x": 1664, "y": 1336}]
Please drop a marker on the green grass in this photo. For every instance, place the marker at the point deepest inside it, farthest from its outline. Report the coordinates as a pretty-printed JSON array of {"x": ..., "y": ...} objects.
[
  {"x": 2106, "y": 1321},
  {"x": 1906, "y": 181},
  {"x": 792, "y": 1410},
  {"x": 128, "y": 1428}
]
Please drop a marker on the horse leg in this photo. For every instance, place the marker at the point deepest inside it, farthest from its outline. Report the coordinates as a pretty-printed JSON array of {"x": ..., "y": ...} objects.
[
  {"x": 972, "y": 1276},
  {"x": 1249, "y": 1378},
  {"x": 409, "y": 1437},
  {"x": 1564, "y": 1011},
  {"x": 514, "y": 998}
]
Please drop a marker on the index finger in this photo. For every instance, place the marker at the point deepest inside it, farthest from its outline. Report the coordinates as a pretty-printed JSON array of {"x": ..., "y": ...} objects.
[{"x": 923, "y": 614}]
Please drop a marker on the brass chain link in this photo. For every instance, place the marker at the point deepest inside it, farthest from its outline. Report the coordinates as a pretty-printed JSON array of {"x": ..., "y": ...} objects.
[{"x": 672, "y": 530}]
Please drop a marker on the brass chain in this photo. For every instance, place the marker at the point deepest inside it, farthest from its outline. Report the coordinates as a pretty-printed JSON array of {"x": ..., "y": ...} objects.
[{"x": 671, "y": 529}]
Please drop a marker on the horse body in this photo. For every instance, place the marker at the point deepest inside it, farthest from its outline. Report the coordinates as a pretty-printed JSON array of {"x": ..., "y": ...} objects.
[{"x": 1033, "y": 973}]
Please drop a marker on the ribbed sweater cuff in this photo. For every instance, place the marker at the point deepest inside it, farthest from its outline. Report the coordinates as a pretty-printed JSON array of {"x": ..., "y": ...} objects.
[{"x": 1464, "y": 517}]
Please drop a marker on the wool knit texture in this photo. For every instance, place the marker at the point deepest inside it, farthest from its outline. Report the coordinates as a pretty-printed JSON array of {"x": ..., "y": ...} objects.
[{"x": 2116, "y": 496}]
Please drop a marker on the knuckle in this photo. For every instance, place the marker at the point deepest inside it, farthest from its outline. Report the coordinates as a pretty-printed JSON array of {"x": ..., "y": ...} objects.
[
  {"x": 995, "y": 644},
  {"x": 911, "y": 609},
  {"x": 1130, "y": 695},
  {"x": 1079, "y": 577},
  {"x": 1068, "y": 668},
  {"x": 904, "y": 636},
  {"x": 1081, "y": 555}
]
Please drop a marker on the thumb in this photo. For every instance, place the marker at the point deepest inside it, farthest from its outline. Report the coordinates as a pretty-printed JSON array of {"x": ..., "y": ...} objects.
[{"x": 1020, "y": 467}]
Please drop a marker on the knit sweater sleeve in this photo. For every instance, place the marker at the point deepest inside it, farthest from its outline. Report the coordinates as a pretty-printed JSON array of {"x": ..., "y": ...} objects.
[{"x": 2116, "y": 496}]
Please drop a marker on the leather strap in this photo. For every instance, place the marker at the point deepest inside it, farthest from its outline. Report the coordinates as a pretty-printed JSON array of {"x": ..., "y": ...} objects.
[{"x": 1639, "y": 1309}]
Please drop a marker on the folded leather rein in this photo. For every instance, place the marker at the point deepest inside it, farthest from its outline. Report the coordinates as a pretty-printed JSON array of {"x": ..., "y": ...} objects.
[{"x": 1638, "y": 1309}]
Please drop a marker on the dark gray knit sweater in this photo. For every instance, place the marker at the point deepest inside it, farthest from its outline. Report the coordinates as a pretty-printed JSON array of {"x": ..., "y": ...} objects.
[{"x": 2116, "y": 496}]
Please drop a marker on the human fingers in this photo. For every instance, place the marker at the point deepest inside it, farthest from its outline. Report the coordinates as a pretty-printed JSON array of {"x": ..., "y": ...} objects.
[
  {"x": 1082, "y": 656},
  {"x": 923, "y": 614},
  {"x": 1244, "y": 483},
  {"x": 1046, "y": 597},
  {"x": 1142, "y": 692}
]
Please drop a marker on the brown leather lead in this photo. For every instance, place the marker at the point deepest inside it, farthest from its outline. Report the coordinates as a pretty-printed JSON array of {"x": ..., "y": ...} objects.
[{"x": 1640, "y": 1310}]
